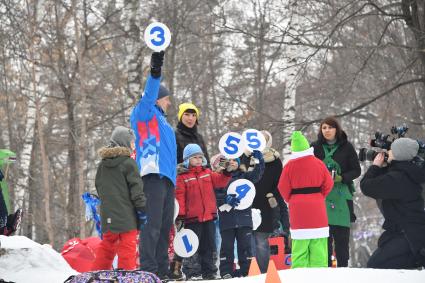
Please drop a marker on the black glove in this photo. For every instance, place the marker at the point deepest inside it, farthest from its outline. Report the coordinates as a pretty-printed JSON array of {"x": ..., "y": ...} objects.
[
  {"x": 179, "y": 224},
  {"x": 1, "y": 176},
  {"x": 157, "y": 59}
]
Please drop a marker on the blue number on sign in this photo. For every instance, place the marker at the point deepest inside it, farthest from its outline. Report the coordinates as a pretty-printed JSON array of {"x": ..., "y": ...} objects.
[
  {"x": 242, "y": 190},
  {"x": 159, "y": 37},
  {"x": 232, "y": 147},
  {"x": 186, "y": 243},
  {"x": 253, "y": 141}
]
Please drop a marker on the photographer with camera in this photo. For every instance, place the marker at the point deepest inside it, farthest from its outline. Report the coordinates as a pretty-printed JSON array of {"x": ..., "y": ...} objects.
[
  {"x": 339, "y": 156},
  {"x": 398, "y": 189}
]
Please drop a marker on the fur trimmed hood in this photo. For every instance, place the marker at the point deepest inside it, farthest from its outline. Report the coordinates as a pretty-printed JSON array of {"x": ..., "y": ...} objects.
[{"x": 113, "y": 156}]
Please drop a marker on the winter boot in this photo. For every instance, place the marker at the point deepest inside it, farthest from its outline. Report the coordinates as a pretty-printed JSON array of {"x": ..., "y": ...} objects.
[
  {"x": 176, "y": 270},
  {"x": 13, "y": 222}
]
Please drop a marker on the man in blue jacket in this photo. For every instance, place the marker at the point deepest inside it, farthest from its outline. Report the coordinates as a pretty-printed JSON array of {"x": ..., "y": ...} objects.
[{"x": 156, "y": 158}]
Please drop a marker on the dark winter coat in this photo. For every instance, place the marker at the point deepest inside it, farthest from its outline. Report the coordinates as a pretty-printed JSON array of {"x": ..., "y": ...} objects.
[
  {"x": 185, "y": 136},
  {"x": 267, "y": 184},
  {"x": 120, "y": 190},
  {"x": 398, "y": 186},
  {"x": 195, "y": 194},
  {"x": 345, "y": 156},
  {"x": 240, "y": 218},
  {"x": 340, "y": 201}
]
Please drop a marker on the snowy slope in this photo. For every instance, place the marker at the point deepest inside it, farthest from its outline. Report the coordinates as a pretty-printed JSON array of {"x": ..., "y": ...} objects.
[{"x": 24, "y": 261}]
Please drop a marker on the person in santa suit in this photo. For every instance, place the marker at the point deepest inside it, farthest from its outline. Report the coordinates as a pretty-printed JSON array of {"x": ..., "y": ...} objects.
[{"x": 304, "y": 184}]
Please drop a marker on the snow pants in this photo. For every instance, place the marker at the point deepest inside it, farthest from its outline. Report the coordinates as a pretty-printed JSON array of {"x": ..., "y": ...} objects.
[
  {"x": 122, "y": 244},
  {"x": 154, "y": 235},
  {"x": 203, "y": 261},
  {"x": 243, "y": 236},
  {"x": 310, "y": 253}
]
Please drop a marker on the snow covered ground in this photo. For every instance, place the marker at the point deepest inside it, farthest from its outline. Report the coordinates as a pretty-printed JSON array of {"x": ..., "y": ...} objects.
[{"x": 24, "y": 261}]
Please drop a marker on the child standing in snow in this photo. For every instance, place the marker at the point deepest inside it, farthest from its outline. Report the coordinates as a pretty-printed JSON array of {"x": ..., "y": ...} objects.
[
  {"x": 195, "y": 194},
  {"x": 237, "y": 224},
  {"x": 304, "y": 184},
  {"x": 122, "y": 207}
]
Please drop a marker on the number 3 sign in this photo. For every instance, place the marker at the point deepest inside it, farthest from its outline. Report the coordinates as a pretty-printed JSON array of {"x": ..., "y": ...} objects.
[
  {"x": 244, "y": 190},
  {"x": 157, "y": 36}
]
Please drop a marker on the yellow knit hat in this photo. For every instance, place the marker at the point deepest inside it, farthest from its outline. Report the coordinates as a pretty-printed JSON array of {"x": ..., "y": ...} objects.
[{"x": 186, "y": 106}]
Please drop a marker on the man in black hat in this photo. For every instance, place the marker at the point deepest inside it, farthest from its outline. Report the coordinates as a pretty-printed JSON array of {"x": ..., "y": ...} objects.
[{"x": 157, "y": 161}]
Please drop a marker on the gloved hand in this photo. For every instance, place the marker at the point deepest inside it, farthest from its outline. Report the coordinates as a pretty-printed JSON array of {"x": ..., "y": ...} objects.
[
  {"x": 179, "y": 224},
  {"x": 338, "y": 178},
  {"x": 232, "y": 200},
  {"x": 142, "y": 218},
  {"x": 1, "y": 176},
  {"x": 157, "y": 59},
  {"x": 257, "y": 154}
]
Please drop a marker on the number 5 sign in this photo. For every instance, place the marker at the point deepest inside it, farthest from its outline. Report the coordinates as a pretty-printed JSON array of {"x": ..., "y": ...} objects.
[
  {"x": 186, "y": 243},
  {"x": 254, "y": 140},
  {"x": 157, "y": 36},
  {"x": 231, "y": 145},
  {"x": 244, "y": 190}
]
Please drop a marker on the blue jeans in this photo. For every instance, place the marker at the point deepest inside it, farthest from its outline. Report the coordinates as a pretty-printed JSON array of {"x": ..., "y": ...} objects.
[{"x": 262, "y": 249}]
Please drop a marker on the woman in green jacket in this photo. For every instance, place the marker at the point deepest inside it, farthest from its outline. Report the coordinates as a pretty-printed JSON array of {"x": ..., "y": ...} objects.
[{"x": 339, "y": 156}]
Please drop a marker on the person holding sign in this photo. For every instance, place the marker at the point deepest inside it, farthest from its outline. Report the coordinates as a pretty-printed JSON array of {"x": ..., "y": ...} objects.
[
  {"x": 236, "y": 224},
  {"x": 304, "y": 184},
  {"x": 157, "y": 161},
  {"x": 195, "y": 194}
]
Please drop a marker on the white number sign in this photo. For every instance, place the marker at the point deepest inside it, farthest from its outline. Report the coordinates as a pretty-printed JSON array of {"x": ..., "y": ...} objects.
[{"x": 157, "y": 36}]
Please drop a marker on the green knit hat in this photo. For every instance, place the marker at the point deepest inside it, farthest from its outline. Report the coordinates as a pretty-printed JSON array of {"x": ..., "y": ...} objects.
[{"x": 299, "y": 142}]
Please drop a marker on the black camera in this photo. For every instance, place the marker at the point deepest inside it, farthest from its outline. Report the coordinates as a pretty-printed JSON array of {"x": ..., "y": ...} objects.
[
  {"x": 383, "y": 141},
  {"x": 370, "y": 154}
]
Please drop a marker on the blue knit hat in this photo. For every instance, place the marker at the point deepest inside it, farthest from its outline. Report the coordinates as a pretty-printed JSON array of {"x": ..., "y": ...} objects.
[
  {"x": 191, "y": 150},
  {"x": 163, "y": 92}
]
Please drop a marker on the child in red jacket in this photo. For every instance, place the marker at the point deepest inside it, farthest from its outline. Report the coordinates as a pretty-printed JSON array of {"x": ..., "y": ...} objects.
[
  {"x": 198, "y": 210},
  {"x": 304, "y": 184}
]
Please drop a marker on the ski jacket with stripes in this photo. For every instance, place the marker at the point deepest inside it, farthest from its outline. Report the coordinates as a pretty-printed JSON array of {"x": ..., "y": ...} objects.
[
  {"x": 195, "y": 193},
  {"x": 156, "y": 151}
]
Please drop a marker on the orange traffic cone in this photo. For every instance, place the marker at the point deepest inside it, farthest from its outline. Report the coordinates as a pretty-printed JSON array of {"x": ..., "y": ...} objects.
[
  {"x": 272, "y": 275},
  {"x": 254, "y": 269}
]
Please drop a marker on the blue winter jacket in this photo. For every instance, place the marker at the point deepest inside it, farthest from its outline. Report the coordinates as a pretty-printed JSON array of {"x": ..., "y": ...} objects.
[
  {"x": 240, "y": 218},
  {"x": 156, "y": 150}
]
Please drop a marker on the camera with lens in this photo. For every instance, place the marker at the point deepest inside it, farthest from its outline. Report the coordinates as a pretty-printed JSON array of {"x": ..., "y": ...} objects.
[{"x": 382, "y": 141}]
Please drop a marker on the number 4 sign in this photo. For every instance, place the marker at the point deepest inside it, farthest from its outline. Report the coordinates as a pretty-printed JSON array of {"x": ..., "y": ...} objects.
[{"x": 244, "y": 190}]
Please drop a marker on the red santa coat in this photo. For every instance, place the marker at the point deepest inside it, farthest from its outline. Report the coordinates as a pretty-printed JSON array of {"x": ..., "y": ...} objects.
[
  {"x": 307, "y": 212},
  {"x": 195, "y": 193}
]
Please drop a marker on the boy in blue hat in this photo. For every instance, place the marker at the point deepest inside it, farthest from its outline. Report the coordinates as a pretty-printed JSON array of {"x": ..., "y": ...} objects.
[{"x": 198, "y": 210}]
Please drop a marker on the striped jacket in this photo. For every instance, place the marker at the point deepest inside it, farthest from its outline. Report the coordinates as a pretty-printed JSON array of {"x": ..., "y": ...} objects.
[{"x": 156, "y": 150}]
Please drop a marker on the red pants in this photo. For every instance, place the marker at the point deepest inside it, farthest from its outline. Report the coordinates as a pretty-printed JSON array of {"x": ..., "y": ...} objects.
[{"x": 122, "y": 244}]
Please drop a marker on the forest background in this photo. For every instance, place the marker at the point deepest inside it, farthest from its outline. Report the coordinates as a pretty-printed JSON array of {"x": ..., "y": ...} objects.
[{"x": 71, "y": 70}]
